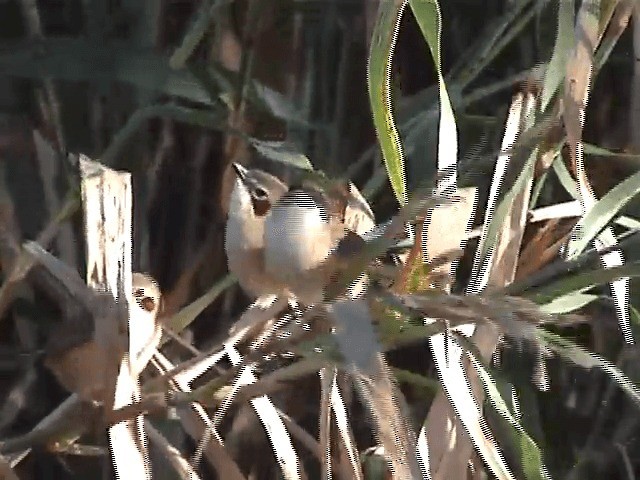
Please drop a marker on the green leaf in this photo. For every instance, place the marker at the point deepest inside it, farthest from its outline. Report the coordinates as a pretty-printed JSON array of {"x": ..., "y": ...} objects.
[
  {"x": 281, "y": 152},
  {"x": 276, "y": 104},
  {"x": 565, "y": 39},
  {"x": 602, "y": 213},
  {"x": 634, "y": 318},
  {"x": 568, "y": 303},
  {"x": 581, "y": 282},
  {"x": 590, "y": 149},
  {"x": 188, "y": 314},
  {"x": 383, "y": 43},
  {"x": 427, "y": 14},
  {"x": 578, "y": 355},
  {"x": 80, "y": 60},
  {"x": 536, "y": 191},
  {"x": 487, "y": 246},
  {"x": 199, "y": 26},
  {"x": 429, "y": 387},
  {"x": 497, "y": 34},
  {"x": 565, "y": 178},
  {"x": 531, "y": 456},
  {"x": 202, "y": 118}
]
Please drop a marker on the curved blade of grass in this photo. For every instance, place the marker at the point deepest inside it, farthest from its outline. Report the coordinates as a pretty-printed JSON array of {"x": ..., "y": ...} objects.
[
  {"x": 77, "y": 60},
  {"x": 590, "y": 149},
  {"x": 427, "y": 14},
  {"x": 620, "y": 12},
  {"x": 427, "y": 386},
  {"x": 531, "y": 456},
  {"x": 280, "y": 152},
  {"x": 635, "y": 320},
  {"x": 498, "y": 209},
  {"x": 591, "y": 21},
  {"x": 537, "y": 189},
  {"x": 384, "y": 39},
  {"x": 199, "y": 26},
  {"x": 184, "y": 317},
  {"x": 565, "y": 178},
  {"x": 565, "y": 39},
  {"x": 602, "y": 212},
  {"x": 628, "y": 222},
  {"x": 279, "y": 437},
  {"x": 578, "y": 355},
  {"x": 345, "y": 430},
  {"x": 447, "y": 461},
  {"x": 474, "y": 59},
  {"x": 466, "y": 408},
  {"x": 568, "y": 303},
  {"x": 452, "y": 374},
  {"x": 581, "y": 282}
]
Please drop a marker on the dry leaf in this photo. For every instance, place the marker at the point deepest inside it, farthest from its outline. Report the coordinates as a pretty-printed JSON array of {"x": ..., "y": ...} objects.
[{"x": 447, "y": 227}]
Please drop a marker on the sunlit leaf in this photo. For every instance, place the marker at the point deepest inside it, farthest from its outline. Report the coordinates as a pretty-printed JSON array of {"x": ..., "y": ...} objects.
[
  {"x": 581, "y": 282},
  {"x": 532, "y": 462},
  {"x": 281, "y": 152},
  {"x": 379, "y": 80},
  {"x": 602, "y": 212},
  {"x": 427, "y": 14},
  {"x": 565, "y": 38},
  {"x": 568, "y": 303}
]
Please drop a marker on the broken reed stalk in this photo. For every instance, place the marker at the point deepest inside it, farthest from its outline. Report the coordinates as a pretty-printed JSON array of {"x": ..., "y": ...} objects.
[{"x": 107, "y": 208}]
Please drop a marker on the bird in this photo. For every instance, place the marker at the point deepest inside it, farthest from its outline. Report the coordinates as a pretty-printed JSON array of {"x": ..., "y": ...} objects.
[
  {"x": 253, "y": 194},
  {"x": 146, "y": 292},
  {"x": 280, "y": 235},
  {"x": 148, "y": 297},
  {"x": 309, "y": 231},
  {"x": 83, "y": 351}
]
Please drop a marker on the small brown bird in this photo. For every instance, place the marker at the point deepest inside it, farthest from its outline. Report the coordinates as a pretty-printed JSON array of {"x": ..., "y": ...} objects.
[
  {"x": 148, "y": 297},
  {"x": 146, "y": 293},
  {"x": 83, "y": 351},
  {"x": 253, "y": 194},
  {"x": 280, "y": 236}
]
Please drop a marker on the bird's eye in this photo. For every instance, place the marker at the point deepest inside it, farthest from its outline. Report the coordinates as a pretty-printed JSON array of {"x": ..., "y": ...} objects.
[
  {"x": 148, "y": 304},
  {"x": 260, "y": 193}
]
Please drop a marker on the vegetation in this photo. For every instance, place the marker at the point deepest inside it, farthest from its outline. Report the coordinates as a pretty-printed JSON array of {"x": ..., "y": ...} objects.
[{"x": 511, "y": 127}]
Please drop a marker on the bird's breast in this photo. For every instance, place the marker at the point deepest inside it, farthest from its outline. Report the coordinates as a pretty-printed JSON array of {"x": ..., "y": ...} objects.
[
  {"x": 297, "y": 236},
  {"x": 244, "y": 232}
]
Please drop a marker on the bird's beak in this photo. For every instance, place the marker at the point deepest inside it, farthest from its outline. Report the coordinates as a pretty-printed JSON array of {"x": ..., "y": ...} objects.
[{"x": 241, "y": 172}]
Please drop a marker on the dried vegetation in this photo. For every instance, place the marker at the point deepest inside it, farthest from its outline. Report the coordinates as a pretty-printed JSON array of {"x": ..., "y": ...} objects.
[{"x": 504, "y": 345}]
